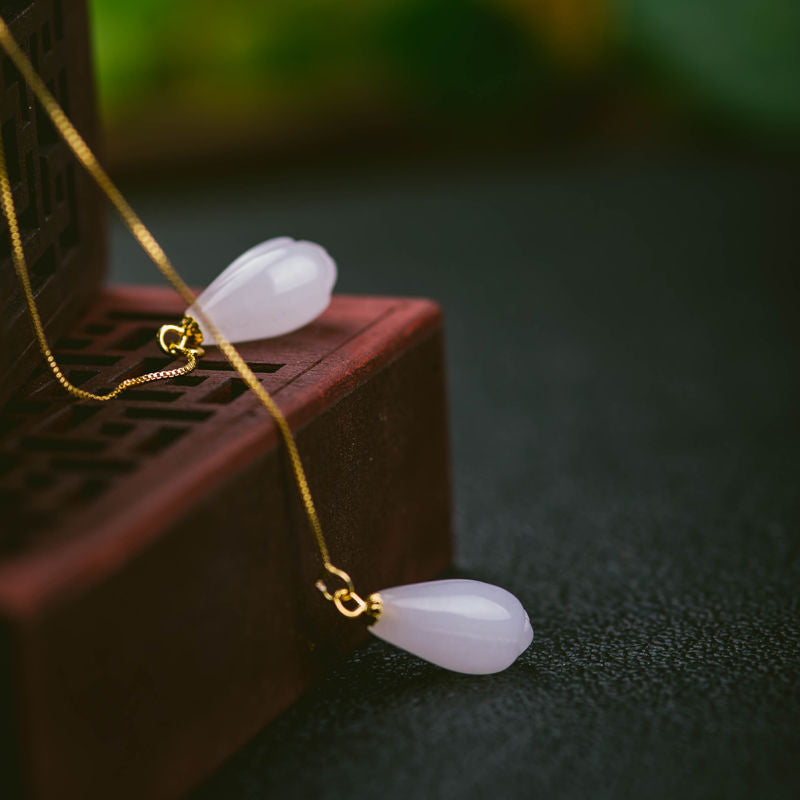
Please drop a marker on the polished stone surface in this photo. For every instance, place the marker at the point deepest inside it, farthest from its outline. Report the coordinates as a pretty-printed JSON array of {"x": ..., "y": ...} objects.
[
  {"x": 465, "y": 626},
  {"x": 273, "y": 288}
]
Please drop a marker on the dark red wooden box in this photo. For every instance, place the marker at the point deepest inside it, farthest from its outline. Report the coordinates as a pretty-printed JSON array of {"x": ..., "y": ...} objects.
[{"x": 157, "y": 600}]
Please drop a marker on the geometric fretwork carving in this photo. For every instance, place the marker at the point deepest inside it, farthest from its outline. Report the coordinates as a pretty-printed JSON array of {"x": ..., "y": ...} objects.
[{"x": 57, "y": 207}]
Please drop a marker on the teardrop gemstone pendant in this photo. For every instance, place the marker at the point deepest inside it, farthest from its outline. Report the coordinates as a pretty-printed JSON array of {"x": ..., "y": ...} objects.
[
  {"x": 461, "y": 625},
  {"x": 274, "y": 288}
]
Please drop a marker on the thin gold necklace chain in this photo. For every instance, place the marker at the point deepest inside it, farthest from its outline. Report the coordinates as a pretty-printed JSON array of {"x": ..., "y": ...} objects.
[{"x": 76, "y": 143}]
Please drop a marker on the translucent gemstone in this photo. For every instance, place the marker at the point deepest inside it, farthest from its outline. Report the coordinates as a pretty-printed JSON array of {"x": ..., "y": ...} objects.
[
  {"x": 465, "y": 626},
  {"x": 274, "y": 288}
]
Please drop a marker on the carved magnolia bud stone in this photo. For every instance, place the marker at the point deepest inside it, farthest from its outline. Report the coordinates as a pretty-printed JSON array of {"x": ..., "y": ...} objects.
[
  {"x": 274, "y": 288},
  {"x": 465, "y": 626}
]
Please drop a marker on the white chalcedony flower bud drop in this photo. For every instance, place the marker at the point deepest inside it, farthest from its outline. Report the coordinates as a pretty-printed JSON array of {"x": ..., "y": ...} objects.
[
  {"x": 274, "y": 288},
  {"x": 466, "y": 626}
]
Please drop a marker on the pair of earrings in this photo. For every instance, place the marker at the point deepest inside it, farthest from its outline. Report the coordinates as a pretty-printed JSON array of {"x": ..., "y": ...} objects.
[{"x": 462, "y": 625}]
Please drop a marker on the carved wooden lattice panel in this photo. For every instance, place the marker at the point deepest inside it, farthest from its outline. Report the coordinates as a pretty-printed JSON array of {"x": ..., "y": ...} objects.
[
  {"x": 58, "y": 209},
  {"x": 60, "y": 458}
]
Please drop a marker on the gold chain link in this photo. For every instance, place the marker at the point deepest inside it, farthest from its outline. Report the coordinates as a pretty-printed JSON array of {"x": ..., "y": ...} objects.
[{"x": 145, "y": 239}]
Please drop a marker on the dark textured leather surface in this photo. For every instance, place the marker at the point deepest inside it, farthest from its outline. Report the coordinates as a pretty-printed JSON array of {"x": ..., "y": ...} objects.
[{"x": 623, "y": 340}]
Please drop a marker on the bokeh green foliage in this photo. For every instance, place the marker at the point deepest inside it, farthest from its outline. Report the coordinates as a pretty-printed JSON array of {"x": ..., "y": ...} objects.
[
  {"x": 738, "y": 59},
  {"x": 448, "y": 51}
]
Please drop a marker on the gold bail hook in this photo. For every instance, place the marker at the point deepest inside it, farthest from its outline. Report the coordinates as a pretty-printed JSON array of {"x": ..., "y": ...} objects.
[{"x": 189, "y": 338}]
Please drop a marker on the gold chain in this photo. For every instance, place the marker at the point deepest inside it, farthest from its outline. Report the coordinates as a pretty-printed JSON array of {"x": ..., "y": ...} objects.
[
  {"x": 21, "y": 269},
  {"x": 145, "y": 239}
]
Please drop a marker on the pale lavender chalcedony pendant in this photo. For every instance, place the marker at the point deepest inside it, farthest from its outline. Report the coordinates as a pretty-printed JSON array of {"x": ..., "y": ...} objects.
[
  {"x": 274, "y": 288},
  {"x": 461, "y": 625}
]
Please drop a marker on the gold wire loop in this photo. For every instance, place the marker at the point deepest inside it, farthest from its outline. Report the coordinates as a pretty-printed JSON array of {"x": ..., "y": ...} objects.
[
  {"x": 342, "y": 596},
  {"x": 347, "y": 601}
]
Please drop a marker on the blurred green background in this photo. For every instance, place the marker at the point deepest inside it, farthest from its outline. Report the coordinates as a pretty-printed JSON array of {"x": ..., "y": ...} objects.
[{"x": 296, "y": 79}]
